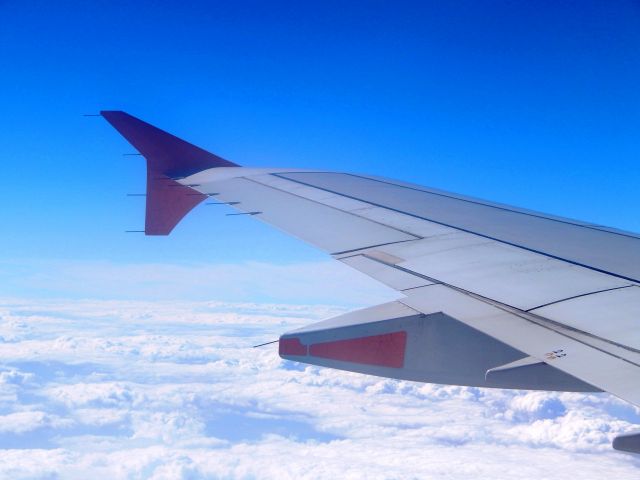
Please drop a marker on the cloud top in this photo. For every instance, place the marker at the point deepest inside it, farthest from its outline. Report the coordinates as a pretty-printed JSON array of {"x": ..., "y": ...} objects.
[{"x": 133, "y": 389}]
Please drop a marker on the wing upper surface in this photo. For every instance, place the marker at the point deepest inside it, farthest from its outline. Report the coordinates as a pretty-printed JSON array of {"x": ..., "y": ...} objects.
[
  {"x": 616, "y": 253},
  {"x": 550, "y": 283}
]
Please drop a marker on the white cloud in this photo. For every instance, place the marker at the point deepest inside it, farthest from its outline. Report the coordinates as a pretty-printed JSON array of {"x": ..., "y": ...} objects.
[
  {"x": 132, "y": 389},
  {"x": 21, "y": 422}
]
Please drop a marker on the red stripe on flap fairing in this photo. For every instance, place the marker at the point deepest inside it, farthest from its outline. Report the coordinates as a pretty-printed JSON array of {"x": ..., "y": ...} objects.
[
  {"x": 291, "y": 346},
  {"x": 385, "y": 350}
]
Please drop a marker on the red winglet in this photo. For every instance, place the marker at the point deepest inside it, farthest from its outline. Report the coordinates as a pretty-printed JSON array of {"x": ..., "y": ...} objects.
[{"x": 167, "y": 157}]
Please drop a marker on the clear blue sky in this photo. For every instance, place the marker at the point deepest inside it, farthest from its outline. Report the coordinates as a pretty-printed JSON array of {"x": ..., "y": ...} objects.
[{"x": 536, "y": 104}]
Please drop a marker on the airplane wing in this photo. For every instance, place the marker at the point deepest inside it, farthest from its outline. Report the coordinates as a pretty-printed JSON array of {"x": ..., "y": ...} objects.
[{"x": 491, "y": 295}]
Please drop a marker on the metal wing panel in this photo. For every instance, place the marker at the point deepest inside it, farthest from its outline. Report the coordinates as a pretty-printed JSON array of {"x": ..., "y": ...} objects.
[
  {"x": 546, "y": 342},
  {"x": 507, "y": 274},
  {"x": 503, "y": 273},
  {"x": 403, "y": 222},
  {"x": 502, "y": 206},
  {"x": 613, "y": 315},
  {"x": 617, "y": 253},
  {"x": 385, "y": 216},
  {"x": 328, "y": 228},
  {"x": 392, "y": 277}
]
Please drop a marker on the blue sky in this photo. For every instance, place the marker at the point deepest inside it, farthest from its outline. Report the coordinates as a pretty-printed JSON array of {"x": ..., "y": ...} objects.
[{"x": 530, "y": 103}]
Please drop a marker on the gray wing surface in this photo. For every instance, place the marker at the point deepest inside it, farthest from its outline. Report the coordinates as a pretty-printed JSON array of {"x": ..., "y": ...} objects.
[
  {"x": 598, "y": 248},
  {"x": 561, "y": 291}
]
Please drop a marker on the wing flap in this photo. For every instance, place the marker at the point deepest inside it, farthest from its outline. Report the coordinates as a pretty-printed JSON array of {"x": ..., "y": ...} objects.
[
  {"x": 550, "y": 343},
  {"x": 612, "y": 314},
  {"x": 504, "y": 273}
]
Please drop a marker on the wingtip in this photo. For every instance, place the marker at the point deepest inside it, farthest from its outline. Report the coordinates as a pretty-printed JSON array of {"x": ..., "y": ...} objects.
[
  {"x": 168, "y": 157},
  {"x": 111, "y": 113}
]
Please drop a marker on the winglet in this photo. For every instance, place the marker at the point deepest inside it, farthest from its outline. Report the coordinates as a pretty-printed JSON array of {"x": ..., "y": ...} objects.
[{"x": 168, "y": 157}]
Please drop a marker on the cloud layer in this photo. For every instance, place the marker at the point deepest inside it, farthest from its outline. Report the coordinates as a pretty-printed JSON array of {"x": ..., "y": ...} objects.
[{"x": 124, "y": 389}]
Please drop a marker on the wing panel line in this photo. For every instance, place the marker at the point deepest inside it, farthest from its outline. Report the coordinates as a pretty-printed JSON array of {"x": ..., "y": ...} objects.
[
  {"x": 526, "y": 315},
  {"x": 497, "y": 207},
  {"x": 416, "y": 237},
  {"x": 460, "y": 229},
  {"x": 371, "y": 246},
  {"x": 577, "y": 296}
]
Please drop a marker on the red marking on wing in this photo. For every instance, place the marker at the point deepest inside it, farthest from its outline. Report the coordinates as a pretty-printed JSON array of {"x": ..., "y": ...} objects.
[
  {"x": 291, "y": 346},
  {"x": 167, "y": 202},
  {"x": 385, "y": 350},
  {"x": 167, "y": 157}
]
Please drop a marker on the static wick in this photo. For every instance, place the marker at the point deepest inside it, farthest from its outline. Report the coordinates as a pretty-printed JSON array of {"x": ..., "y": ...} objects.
[
  {"x": 243, "y": 213},
  {"x": 134, "y": 231},
  {"x": 263, "y": 344},
  {"x": 181, "y": 185},
  {"x": 222, "y": 203},
  {"x": 131, "y": 154},
  {"x": 136, "y": 194}
]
